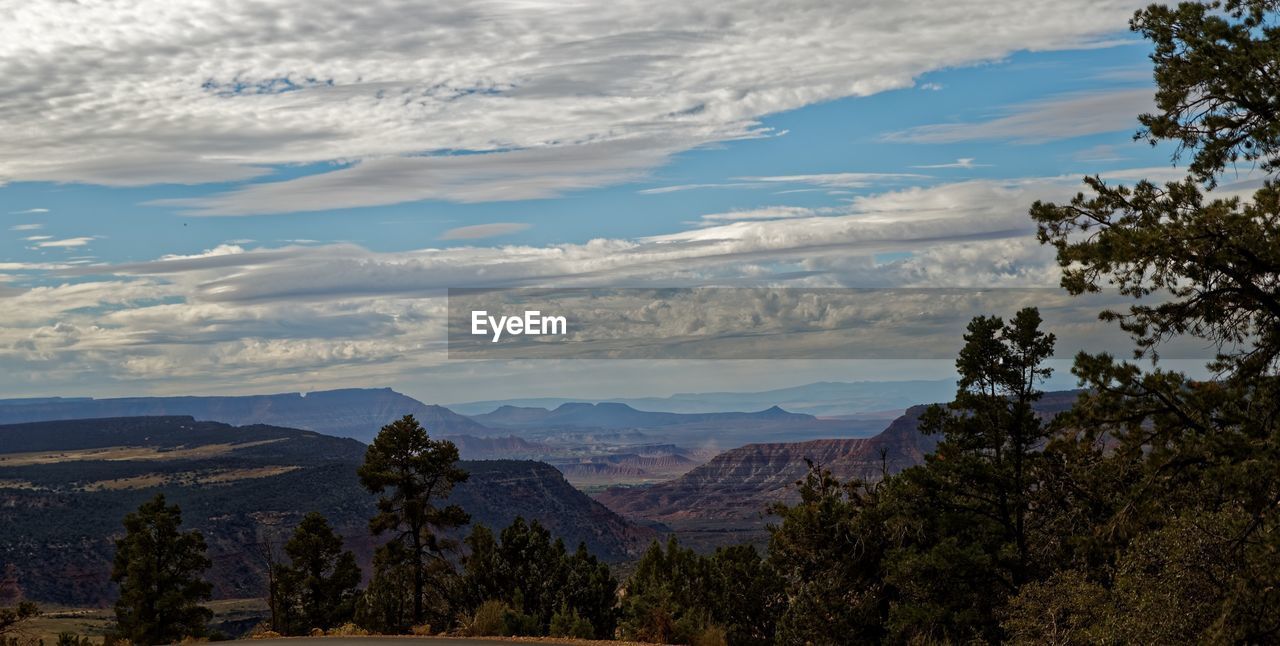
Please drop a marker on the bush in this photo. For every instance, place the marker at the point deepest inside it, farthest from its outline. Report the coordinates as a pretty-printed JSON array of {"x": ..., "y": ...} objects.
[
  {"x": 490, "y": 619},
  {"x": 347, "y": 630},
  {"x": 568, "y": 623},
  {"x": 710, "y": 636}
]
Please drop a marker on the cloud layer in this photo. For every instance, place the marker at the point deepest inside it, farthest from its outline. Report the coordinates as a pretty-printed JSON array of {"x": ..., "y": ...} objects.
[
  {"x": 331, "y": 314},
  {"x": 558, "y": 96}
]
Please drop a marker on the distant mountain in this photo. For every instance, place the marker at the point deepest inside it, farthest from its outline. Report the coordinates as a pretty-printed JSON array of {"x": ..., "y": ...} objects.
[
  {"x": 612, "y": 415},
  {"x": 826, "y": 398},
  {"x": 733, "y": 490},
  {"x": 489, "y": 448},
  {"x": 66, "y": 485},
  {"x": 354, "y": 413}
]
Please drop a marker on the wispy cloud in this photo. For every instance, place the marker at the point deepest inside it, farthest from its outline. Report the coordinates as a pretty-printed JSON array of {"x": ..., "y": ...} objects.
[
  {"x": 839, "y": 180},
  {"x": 763, "y": 213},
  {"x": 271, "y": 315},
  {"x": 66, "y": 242},
  {"x": 1063, "y": 117},
  {"x": 963, "y": 162},
  {"x": 479, "y": 231},
  {"x": 26, "y": 227},
  {"x": 658, "y": 190},
  {"x": 208, "y": 91},
  {"x": 29, "y": 212}
]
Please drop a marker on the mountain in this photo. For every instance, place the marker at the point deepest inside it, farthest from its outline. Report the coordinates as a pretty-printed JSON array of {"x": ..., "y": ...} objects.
[
  {"x": 612, "y": 415},
  {"x": 824, "y": 399},
  {"x": 600, "y": 471},
  {"x": 66, "y": 485},
  {"x": 355, "y": 412},
  {"x": 489, "y": 448},
  {"x": 732, "y": 491}
]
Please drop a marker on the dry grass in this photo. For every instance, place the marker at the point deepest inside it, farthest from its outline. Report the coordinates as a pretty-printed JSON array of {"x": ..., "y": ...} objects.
[
  {"x": 19, "y": 484},
  {"x": 118, "y": 453},
  {"x": 148, "y": 480}
]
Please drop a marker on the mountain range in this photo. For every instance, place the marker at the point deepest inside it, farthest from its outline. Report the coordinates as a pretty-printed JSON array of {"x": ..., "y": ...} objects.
[
  {"x": 66, "y": 485},
  {"x": 354, "y": 412},
  {"x": 730, "y": 493},
  {"x": 613, "y": 415},
  {"x": 823, "y": 399}
]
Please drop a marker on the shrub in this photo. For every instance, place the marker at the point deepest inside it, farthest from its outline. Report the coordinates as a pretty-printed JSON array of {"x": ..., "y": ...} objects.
[
  {"x": 490, "y": 619},
  {"x": 710, "y": 636},
  {"x": 347, "y": 630},
  {"x": 568, "y": 623}
]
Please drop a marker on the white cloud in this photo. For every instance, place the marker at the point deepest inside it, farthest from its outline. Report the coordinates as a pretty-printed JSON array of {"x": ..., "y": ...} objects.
[
  {"x": 1063, "y": 117},
  {"x": 478, "y": 231},
  {"x": 29, "y": 212},
  {"x": 658, "y": 190},
  {"x": 248, "y": 319},
  {"x": 194, "y": 91},
  {"x": 963, "y": 162},
  {"x": 839, "y": 180},
  {"x": 66, "y": 242},
  {"x": 763, "y": 213},
  {"x": 36, "y": 238},
  {"x": 26, "y": 227}
]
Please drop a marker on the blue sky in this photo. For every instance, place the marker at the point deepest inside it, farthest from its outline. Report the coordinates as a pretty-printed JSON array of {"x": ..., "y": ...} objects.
[
  {"x": 838, "y": 136},
  {"x": 194, "y": 223}
]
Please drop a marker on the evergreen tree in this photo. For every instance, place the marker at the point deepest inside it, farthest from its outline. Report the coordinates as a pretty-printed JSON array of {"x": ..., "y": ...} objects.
[
  {"x": 589, "y": 592},
  {"x": 318, "y": 588},
  {"x": 158, "y": 568},
  {"x": 678, "y": 596},
  {"x": 412, "y": 472},
  {"x": 539, "y": 581},
  {"x": 535, "y": 566},
  {"x": 828, "y": 552},
  {"x": 1185, "y": 451},
  {"x": 964, "y": 515}
]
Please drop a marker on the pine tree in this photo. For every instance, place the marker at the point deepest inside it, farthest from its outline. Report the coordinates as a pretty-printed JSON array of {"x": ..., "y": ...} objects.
[
  {"x": 1196, "y": 463},
  {"x": 412, "y": 472},
  {"x": 158, "y": 568},
  {"x": 318, "y": 588}
]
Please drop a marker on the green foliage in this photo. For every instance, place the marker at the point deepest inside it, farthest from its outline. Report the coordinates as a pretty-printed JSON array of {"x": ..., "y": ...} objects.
[
  {"x": 828, "y": 551},
  {"x": 318, "y": 588},
  {"x": 678, "y": 596},
  {"x": 566, "y": 622},
  {"x": 158, "y": 569},
  {"x": 1216, "y": 89},
  {"x": 1188, "y": 547},
  {"x": 411, "y": 472},
  {"x": 386, "y": 607},
  {"x": 1064, "y": 609},
  {"x": 529, "y": 572},
  {"x": 490, "y": 619},
  {"x": 963, "y": 522}
]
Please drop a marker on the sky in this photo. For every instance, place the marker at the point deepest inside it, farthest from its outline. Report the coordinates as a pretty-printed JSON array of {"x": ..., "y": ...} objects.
[{"x": 204, "y": 197}]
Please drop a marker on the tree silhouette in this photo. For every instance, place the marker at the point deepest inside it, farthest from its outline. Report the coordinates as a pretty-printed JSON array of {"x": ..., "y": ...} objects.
[
  {"x": 412, "y": 472},
  {"x": 158, "y": 568}
]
